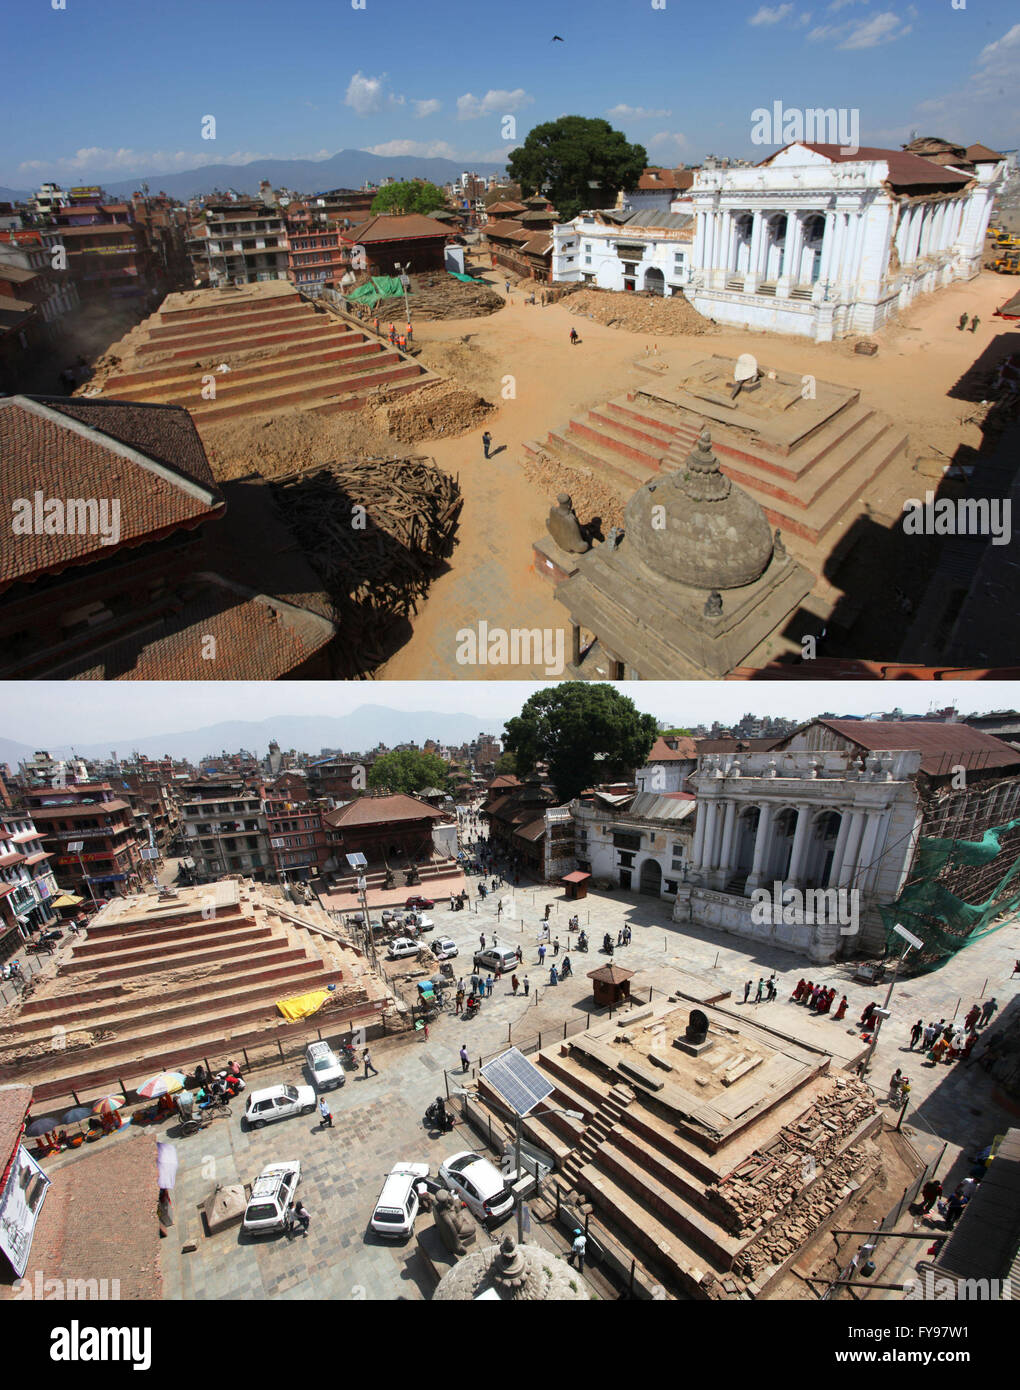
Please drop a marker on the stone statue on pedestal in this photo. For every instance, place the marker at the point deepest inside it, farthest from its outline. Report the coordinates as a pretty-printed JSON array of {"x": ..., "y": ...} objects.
[
  {"x": 455, "y": 1227},
  {"x": 564, "y": 527}
]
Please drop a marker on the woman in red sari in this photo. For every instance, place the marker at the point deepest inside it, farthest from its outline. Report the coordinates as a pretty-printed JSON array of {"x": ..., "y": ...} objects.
[{"x": 841, "y": 1011}]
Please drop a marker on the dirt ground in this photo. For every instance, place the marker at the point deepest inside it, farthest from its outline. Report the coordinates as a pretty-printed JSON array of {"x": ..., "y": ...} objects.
[{"x": 521, "y": 359}]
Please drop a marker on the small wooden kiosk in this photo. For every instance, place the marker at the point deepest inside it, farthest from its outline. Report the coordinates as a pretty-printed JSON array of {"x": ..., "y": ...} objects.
[
  {"x": 576, "y": 885},
  {"x": 610, "y": 985}
]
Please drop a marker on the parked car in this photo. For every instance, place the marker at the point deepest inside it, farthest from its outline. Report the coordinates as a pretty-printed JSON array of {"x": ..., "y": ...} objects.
[
  {"x": 397, "y": 1205},
  {"x": 419, "y": 921},
  {"x": 479, "y": 1184},
  {"x": 418, "y": 901},
  {"x": 401, "y": 947},
  {"x": 496, "y": 958},
  {"x": 277, "y": 1103},
  {"x": 445, "y": 949},
  {"x": 272, "y": 1194},
  {"x": 324, "y": 1066}
]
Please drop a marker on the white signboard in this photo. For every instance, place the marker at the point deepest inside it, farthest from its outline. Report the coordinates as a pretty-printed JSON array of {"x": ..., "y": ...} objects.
[{"x": 20, "y": 1205}]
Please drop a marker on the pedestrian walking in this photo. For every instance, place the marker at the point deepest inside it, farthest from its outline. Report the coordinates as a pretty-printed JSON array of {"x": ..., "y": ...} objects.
[
  {"x": 324, "y": 1111},
  {"x": 527, "y": 986},
  {"x": 520, "y": 955},
  {"x": 507, "y": 283},
  {"x": 954, "y": 1209},
  {"x": 302, "y": 1215},
  {"x": 515, "y": 983},
  {"x": 410, "y": 333},
  {"x": 930, "y": 1193},
  {"x": 761, "y": 990},
  {"x": 915, "y": 1033},
  {"x": 554, "y": 977},
  {"x": 464, "y": 1059},
  {"x": 771, "y": 989},
  {"x": 577, "y": 1249},
  {"x": 747, "y": 990},
  {"x": 928, "y": 1039},
  {"x": 973, "y": 1015},
  {"x": 963, "y": 323},
  {"x": 573, "y": 336},
  {"x": 541, "y": 954},
  {"x": 489, "y": 982},
  {"x": 499, "y": 913},
  {"x": 366, "y": 1057},
  {"x": 481, "y": 942},
  {"x": 486, "y": 442},
  {"x": 974, "y": 323},
  {"x": 556, "y": 947}
]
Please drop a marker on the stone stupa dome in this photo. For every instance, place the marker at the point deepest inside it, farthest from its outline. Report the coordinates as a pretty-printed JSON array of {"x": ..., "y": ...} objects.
[
  {"x": 710, "y": 534},
  {"x": 512, "y": 1273}
]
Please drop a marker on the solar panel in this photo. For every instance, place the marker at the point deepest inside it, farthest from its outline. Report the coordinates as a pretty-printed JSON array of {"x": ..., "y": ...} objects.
[{"x": 517, "y": 1081}]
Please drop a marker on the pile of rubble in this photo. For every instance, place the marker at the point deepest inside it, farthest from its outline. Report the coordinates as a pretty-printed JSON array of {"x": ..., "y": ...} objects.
[
  {"x": 639, "y": 313},
  {"x": 591, "y": 497},
  {"x": 434, "y": 411},
  {"x": 772, "y": 1177},
  {"x": 439, "y": 296}
]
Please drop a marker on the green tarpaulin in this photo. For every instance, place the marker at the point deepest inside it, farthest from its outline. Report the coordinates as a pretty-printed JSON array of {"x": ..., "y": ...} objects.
[
  {"x": 379, "y": 287},
  {"x": 468, "y": 279},
  {"x": 944, "y": 922}
]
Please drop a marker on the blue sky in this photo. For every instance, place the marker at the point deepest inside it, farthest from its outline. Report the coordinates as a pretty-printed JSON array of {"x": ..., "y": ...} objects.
[{"x": 110, "y": 88}]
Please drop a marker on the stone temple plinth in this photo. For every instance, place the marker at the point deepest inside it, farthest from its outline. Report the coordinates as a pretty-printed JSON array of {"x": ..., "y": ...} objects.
[{"x": 696, "y": 583}]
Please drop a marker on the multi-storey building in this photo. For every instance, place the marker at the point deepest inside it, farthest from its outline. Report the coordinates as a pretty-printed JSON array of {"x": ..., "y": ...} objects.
[
  {"x": 29, "y": 252},
  {"x": 239, "y": 244},
  {"x": 27, "y": 884},
  {"x": 106, "y": 250},
  {"x": 225, "y": 828},
  {"x": 297, "y": 837},
  {"x": 315, "y": 254},
  {"x": 92, "y": 815}
]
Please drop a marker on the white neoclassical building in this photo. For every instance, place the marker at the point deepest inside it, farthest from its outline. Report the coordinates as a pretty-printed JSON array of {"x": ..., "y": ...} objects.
[
  {"x": 806, "y": 820},
  {"x": 648, "y": 249},
  {"x": 821, "y": 243}
]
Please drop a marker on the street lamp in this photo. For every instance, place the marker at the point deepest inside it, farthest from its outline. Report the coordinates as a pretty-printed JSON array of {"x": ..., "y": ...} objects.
[
  {"x": 76, "y": 847},
  {"x": 912, "y": 943},
  {"x": 404, "y": 282}
]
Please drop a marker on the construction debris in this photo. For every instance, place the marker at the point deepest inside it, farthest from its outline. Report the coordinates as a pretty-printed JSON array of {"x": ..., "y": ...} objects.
[
  {"x": 434, "y": 411},
  {"x": 591, "y": 497},
  {"x": 375, "y": 531},
  {"x": 439, "y": 296},
  {"x": 640, "y": 313}
]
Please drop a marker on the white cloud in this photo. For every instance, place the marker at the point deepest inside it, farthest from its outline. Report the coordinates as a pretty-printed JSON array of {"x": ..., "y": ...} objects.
[
  {"x": 667, "y": 139},
  {"x": 862, "y": 33},
  {"x": 364, "y": 94},
  {"x": 623, "y": 112},
  {"x": 425, "y": 149},
  {"x": 987, "y": 106},
  {"x": 428, "y": 107},
  {"x": 771, "y": 14},
  {"x": 494, "y": 102}
]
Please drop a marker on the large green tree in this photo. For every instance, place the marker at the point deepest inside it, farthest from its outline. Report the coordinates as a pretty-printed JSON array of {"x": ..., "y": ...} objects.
[
  {"x": 408, "y": 771},
  {"x": 578, "y": 163},
  {"x": 586, "y": 733},
  {"x": 412, "y": 195}
]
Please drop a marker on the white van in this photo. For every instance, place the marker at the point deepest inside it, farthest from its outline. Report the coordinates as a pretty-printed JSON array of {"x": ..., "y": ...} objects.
[
  {"x": 397, "y": 1206},
  {"x": 324, "y": 1066}
]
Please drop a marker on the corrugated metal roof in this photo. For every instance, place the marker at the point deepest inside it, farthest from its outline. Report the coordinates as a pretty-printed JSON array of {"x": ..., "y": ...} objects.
[
  {"x": 937, "y": 743},
  {"x": 653, "y": 219},
  {"x": 986, "y": 1240},
  {"x": 660, "y": 806}
]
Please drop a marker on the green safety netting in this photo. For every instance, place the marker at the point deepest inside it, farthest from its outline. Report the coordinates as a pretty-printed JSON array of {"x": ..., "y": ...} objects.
[
  {"x": 468, "y": 279},
  {"x": 944, "y": 922},
  {"x": 379, "y": 287}
]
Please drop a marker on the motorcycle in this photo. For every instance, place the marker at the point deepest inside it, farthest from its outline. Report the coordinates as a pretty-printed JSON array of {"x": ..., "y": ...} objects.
[
  {"x": 348, "y": 1057},
  {"x": 582, "y": 944},
  {"x": 438, "y": 1117},
  {"x": 471, "y": 1008},
  {"x": 566, "y": 970},
  {"x": 607, "y": 945}
]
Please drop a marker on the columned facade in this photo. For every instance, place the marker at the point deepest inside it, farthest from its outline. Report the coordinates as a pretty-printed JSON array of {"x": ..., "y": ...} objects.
[
  {"x": 800, "y": 821},
  {"x": 850, "y": 215}
]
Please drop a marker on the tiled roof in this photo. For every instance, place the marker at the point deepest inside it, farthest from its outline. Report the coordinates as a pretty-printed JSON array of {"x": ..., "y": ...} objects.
[
  {"x": 148, "y": 457},
  {"x": 537, "y": 245},
  {"x": 380, "y": 810},
  {"x": 512, "y": 231},
  {"x": 652, "y": 218},
  {"x": 981, "y": 154},
  {"x": 391, "y": 228},
  {"x": 534, "y": 830},
  {"x": 16, "y": 275},
  {"x": 905, "y": 170},
  {"x": 99, "y": 229},
  {"x": 256, "y": 638},
  {"x": 503, "y": 208},
  {"x": 666, "y": 178},
  {"x": 663, "y": 753}
]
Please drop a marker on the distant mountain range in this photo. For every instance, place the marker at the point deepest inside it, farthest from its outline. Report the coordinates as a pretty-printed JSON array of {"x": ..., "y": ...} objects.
[
  {"x": 347, "y": 169},
  {"x": 359, "y": 731}
]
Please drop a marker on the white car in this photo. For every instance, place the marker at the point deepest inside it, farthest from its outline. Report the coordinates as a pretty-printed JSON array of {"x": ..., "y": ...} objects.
[
  {"x": 401, "y": 947},
  {"x": 419, "y": 921},
  {"x": 444, "y": 948},
  {"x": 324, "y": 1066},
  {"x": 397, "y": 1206},
  {"x": 272, "y": 1195},
  {"x": 277, "y": 1103},
  {"x": 479, "y": 1184}
]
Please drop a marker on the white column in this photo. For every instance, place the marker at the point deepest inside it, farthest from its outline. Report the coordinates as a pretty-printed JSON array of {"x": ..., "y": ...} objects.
[
  {"x": 708, "y": 848},
  {"x": 762, "y": 843},
  {"x": 791, "y": 249},
  {"x": 699, "y": 240},
  {"x": 850, "y": 848},
  {"x": 701, "y": 816},
  {"x": 726, "y": 852},
  {"x": 840, "y": 850},
  {"x": 869, "y": 841},
  {"x": 800, "y": 839},
  {"x": 713, "y": 239},
  {"x": 828, "y": 246},
  {"x": 757, "y": 237}
]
